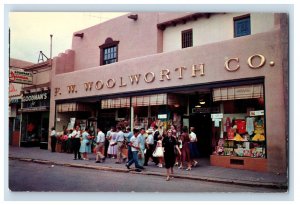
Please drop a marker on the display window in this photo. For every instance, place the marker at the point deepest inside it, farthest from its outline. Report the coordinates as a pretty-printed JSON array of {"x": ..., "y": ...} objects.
[{"x": 243, "y": 122}]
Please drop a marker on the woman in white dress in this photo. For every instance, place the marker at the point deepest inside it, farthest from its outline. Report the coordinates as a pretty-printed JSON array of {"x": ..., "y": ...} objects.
[{"x": 112, "y": 149}]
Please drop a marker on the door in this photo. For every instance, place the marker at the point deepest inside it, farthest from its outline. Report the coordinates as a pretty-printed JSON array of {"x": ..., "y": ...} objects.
[{"x": 202, "y": 123}]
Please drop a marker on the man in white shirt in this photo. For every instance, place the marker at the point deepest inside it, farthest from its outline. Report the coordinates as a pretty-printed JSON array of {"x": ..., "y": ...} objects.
[
  {"x": 75, "y": 136},
  {"x": 53, "y": 139},
  {"x": 149, "y": 146},
  {"x": 100, "y": 146},
  {"x": 119, "y": 142},
  {"x": 193, "y": 146},
  {"x": 134, "y": 143}
]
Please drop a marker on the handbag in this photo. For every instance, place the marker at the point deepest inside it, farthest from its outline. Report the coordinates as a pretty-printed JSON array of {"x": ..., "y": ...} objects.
[
  {"x": 88, "y": 143},
  {"x": 175, "y": 151},
  {"x": 140, "y": 156}
]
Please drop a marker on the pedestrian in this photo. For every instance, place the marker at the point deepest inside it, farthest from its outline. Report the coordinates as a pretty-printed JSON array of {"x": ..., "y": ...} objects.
[
  {"x": 53, "y": 139},
  {"x": 129, "y": 134},
  {"x": 64, "y": 140},
  {"x": 100, "y": 140},
  {"x": 159, "y": 152},
  {"x": 193, "y": 146},
  {"x": 107, "y": 138},
  {"x": 174, "y": 133},
  {"x": 135, "y": 149},
  {"x": 69, "y": 142},
  {"x": 112, "y": 150},
  {"x": 185, "y": 151},
  {"x": 85, "y": 146},
  {"x": 75, "y": 137},
  {"x": 141, "y": 139},
  {"x": 155, "y": 139},
  {"x": 169, "y": 144},
  {"x": 119, "y": 143},
  {"x": 149, "y": 146}
]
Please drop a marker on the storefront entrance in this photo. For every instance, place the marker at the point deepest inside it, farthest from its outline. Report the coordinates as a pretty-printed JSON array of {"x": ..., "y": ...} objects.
[
  {"x": 200, "y": 105},
  {"x": 202, "y": 124}
]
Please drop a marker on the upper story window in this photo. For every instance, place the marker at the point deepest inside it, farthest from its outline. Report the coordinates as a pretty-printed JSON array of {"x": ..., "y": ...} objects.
[
  {"x": 242, "y": 25},
  {"x": 109, "y": 52},
  {"x": 110, "y": 55},
  {"x": 187, "y": 38}
]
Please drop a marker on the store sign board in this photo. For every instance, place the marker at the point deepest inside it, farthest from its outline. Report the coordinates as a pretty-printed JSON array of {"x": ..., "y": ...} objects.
[
  {"x": 36, "y": 96},
  {"x": 162, "y": 116},
  {"x": 217, "y": 115},
  {"x": 257, "y": 113},
  {"x": 22, "y": 77}
]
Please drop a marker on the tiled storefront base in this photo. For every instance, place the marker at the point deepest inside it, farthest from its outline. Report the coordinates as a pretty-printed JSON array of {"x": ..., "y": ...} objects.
[{"x": 248, "y": 163}]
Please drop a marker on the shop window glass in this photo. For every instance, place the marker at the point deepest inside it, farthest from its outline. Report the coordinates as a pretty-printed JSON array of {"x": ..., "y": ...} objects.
[{"x": 243, "y": 123}]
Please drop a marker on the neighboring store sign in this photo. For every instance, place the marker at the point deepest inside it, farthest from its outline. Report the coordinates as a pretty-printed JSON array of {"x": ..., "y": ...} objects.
[
  {"x": 162, "y": 116},
  {"x": 34, "y": 97},
  {"x": 22, "y": 77},
  {"x": 257, "y": 113}
]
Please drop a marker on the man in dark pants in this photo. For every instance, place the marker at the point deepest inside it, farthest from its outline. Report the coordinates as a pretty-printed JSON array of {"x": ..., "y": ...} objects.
[
  {"x": 53, "y": 139},
  {"x": 76, "y": 142},
  {"x": 150, "y": 147},
  {"x": 128, "y": 137}
]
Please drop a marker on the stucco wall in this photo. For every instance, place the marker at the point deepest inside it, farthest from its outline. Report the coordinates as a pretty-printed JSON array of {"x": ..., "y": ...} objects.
[
  {"x": 213, "y": 57},
  {"x": 216, "y": 28},
  {"x": 137, "y": 38},
  {"x": 42, "y": 77}
]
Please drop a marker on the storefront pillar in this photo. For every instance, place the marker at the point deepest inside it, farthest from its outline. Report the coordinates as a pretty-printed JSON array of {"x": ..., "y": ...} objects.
[{"x": 131, "y": 115}]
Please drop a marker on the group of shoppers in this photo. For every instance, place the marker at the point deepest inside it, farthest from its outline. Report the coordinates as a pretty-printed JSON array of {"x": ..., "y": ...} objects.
[{"x": 169, "y": 148}]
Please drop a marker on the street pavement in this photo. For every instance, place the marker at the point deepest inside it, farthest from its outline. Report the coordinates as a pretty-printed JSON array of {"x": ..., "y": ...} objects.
[{"x": 203, "y": 171}]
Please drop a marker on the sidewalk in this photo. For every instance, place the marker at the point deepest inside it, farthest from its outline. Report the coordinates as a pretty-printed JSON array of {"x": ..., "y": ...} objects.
[{"x": 202, "y": 172}]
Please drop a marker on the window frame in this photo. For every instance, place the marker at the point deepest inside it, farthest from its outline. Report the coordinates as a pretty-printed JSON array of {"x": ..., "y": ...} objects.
[
  {"x": 238, "y": 18},
  {"x": 184, "y": 42},
  {"x": 109, "y": 43}
]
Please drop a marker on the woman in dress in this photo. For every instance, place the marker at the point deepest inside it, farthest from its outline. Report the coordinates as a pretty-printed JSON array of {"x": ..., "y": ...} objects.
[
  {"x": 159, "y": 152},
  {"x": 112, "y": 149},
  {"x": 170, "y": 144},
  {"x": 193, "y": 146},
  {"x": 85, "y": 146},
  {"x": 185, "y": 149}
]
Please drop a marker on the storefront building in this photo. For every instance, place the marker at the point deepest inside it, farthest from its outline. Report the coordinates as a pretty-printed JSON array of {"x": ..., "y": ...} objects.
[
  {"x": 224, "y": 74},
  {"x": 36, "y": 106},
  {"x": 15, "y": 96}
]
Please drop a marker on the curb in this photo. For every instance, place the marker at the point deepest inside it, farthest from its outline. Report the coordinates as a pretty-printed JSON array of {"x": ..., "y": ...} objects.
[{"x": 207, "y": 179}]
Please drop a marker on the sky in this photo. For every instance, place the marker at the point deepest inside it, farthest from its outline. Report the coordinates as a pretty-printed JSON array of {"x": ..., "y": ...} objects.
[{"x": 30, "y": 31}]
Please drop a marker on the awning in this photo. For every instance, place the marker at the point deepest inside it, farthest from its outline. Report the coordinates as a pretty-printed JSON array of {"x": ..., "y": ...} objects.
[
  {"x": 115, "y": 103},
  {"x": 238, "y": 92},
  {"x": 72, "y": 107},
  {"x": 144, "y": 100},
  {"x": 148, "y": 100}
]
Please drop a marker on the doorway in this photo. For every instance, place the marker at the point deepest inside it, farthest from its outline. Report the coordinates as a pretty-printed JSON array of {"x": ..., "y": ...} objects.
[
  {"x": 200, "y": 108},
  {"x": 202, "y": 123}
]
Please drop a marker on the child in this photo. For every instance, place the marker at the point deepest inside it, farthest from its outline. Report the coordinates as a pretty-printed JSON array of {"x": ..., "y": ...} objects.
[{"x": 159, "y": 152}]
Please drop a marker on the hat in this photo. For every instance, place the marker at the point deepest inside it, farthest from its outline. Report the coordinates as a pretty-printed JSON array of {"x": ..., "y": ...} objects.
[{"x": 150, "y": 130}]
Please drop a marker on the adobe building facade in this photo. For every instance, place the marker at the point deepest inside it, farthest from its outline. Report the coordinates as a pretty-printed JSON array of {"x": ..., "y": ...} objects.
[{"x": 223, "y": 73}]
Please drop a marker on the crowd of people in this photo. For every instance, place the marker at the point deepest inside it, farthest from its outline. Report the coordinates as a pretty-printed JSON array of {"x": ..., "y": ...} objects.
[{"x": 167, "y": 149}]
